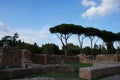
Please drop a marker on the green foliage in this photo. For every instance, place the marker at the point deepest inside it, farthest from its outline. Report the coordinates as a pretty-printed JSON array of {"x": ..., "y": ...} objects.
[
  {"x": 63, "y": 31},
  {"x": 118, "y": 36},
  {"x": 77, "y": 66},
  {"x": 33, "y": 48},
  {"x": 73, "y": 49},
  {"x": 89, "y": 31},
  {"x": 50, "y": 49},
  {"x": 1, "y": 43},
  {"x": 63, "y": 75},
  {"x": 107, "y": 36},
  {"x": 7, "y": 39},
  {"x": 86, "y": 50},
  {"x": 11, "y": 40},
  {"x": 62, "y": 28},
  {"x": 118, "y": 52},
  {"x": 95, "y": 51}
]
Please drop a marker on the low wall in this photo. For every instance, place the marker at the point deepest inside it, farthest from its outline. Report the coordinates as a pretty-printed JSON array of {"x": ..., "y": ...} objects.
[
  {"x": 35, "y": 68},
  {"x": 55, "y": 59},
  {"x": 70, "y": 59},
  {"x": 85, "y": 58},
  {"x": 96, "y": 72},
  {"x": 11, "y": 57},
  {"x": 15, "y": 57},
  {"x": 39, "y": 58},
  {"x": 15, "y": 72},
  {"x": 108, "y": 57}
]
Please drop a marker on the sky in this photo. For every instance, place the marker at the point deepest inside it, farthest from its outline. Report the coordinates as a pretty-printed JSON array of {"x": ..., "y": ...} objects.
[{"x": 31, "y": 19}]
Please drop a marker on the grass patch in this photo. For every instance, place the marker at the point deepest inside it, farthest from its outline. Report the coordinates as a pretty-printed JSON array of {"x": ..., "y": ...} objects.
[
  {"x": 64, "y": 75},
  {"x": 79, "y": 65},
  {"x": 57, "y": 75}
]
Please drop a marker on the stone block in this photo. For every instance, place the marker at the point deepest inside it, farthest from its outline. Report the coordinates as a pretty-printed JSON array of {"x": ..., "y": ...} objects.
[{"x": 95, "y": 72}]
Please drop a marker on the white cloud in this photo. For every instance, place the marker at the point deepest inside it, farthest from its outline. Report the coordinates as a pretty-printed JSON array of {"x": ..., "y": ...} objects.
[
  {"x": 3, "y": 30},
  {"x": 1, "y": 25},
  {"x": 106, "y": 7},
  {"x": 31, "y": 36},
  {"x": 89, "y": 3}
]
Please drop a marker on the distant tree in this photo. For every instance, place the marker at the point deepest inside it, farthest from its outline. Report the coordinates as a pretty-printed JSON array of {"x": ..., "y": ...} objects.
[
  {"x": 11, "y": 40},
  {"x": 73, "y": 49},
  {"x": 15, "y": 36},
  {"x": 97, "y": 49},
  {"x": 34, "y": 48},
  {"x": 78, "y": 30},
  {"x": 91, "y": 32},
  {"x": 103, "y": 50},
  {"x": 109, "y": 38},
  {"x": 86, "y": 50},
  {"x": 63, "y": 32},
  {"x": 50, "y": 49},
  {"x": 7, "y": 39},
  {"x": 118, "y": 39}
]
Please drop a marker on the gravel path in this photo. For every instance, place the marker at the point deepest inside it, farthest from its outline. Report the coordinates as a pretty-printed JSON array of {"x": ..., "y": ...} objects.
[{"x": 37, "y": 78}]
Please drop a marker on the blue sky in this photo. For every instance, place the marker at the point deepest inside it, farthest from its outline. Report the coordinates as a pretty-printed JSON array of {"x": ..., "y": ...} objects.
[{"x": 31, "y": 19}]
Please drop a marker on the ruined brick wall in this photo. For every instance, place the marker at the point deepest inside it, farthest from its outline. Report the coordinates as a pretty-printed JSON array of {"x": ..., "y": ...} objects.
[
  {"x": 15, "y": 57},
  {"x": 11, "y": 57},
  {"x": 39, "y": 58},
  {"x": 55, "y": 59},
  {"x": 25, "y": 57},
  {"x": 92, "y": 73},
  {"x": 69, "y": 59},
  {"x": 82, "y": 57},
  {"x": 85, "y": 58},
  {"x": 108, "y": 57}
]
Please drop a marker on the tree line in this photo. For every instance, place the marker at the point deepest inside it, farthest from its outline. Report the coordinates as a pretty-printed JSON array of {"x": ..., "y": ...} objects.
[
  {"x": 12, "y": 41},
  {"x": 65, "y": 31}
]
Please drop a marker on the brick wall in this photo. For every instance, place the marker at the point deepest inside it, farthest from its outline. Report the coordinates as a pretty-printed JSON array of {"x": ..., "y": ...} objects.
[
  {"x": 55, "y": 59},
  {"x": 108, "y": 57},
  {"x": 85, "y": 58},
  {"x": 11, "y": 57},
  {"x": 39, "y": 58},
  {"x": 15, "y": 57},
  {"x": 99, "y": 71},
  {"x": 69, "y": 59},
  {"x": 17, "y": 72}
]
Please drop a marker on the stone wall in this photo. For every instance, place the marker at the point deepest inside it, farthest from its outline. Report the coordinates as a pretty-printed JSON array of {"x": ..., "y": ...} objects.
[
  {"x": 39, "y": 58},
  {"x": 55, "y": 59},
  {"x": 91, "y": 73},
  {"x": 99, "y": 58},
  {"x": 15, "y": 57},
  {"x": 85, "y": 58},
  {"x": 17, "y": 72},
  {"x": 18, "y": 57},
  {"x": 70, "y": 59},
  {"x": 108, "y": 57},
  {"x": 11, "y": 57}
]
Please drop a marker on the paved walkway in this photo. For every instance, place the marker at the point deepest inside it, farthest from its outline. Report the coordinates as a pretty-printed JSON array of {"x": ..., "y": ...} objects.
[
  {"x": 114, "y": 77},
  {"x": 37, "y": 78}
]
